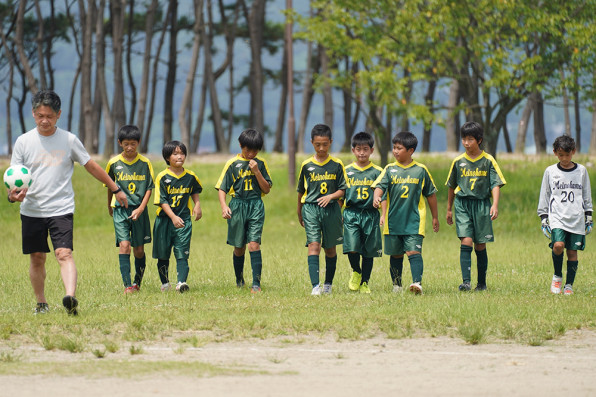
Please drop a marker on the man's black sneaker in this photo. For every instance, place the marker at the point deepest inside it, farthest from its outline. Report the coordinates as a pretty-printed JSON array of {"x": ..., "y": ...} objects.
[
  {"x": 465, "y": 287},
  {"x": 70, "y": 303},
  {"x": 42, "y": 308}
]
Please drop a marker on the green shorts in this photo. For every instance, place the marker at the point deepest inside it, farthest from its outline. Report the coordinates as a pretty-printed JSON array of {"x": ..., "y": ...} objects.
[
  {"x": 323, "y": 225},
  {"x": 472, "y": 219},
  {"x": 400, "y": 244},
  {"x": 573, "y": 242},
  {"x": 166, "y": 236},
  {"x": 137, "y": 232},
  {"x": 362, "y": 233},
  {"x": 246, "y": 224}
]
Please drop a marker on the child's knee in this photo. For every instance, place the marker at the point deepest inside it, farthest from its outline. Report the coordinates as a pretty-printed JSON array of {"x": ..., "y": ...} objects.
[{"x": 558, "y": 247}]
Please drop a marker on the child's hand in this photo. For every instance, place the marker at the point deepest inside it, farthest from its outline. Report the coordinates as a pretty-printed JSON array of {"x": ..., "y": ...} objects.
[
  {"x": 377, "y": 202},
  {"x": 135, "y": 214},
  {"x": 589, "y": 224},
  {"x": 382, "y": 220},
  {"x": 546, "y": 228},
  {"x": 178, "y": 222},
  {"x": 197, "y": 212},
  {"x": 449, "y": 217},
  {"x": 226, "y": 212},
  {"x": 300, "y": 220},
  {"x": 494, "y": 212},
  {"x": 435, "y": 225},
  {"x": 253, "y": 165},
  {"x": 323, "y": 201},
  {"x": 110, "y": 211}
]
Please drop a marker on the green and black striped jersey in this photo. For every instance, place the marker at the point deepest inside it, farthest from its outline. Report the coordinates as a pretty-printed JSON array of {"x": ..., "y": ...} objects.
[
  {"x": 474, "y": 179},
  {"x": 176, "y": 190},
  {"x": 360, "y": 194},
  {"x": 405, "y": 187},
  {"x": 133, "y": 177},
  {"x": 320, "y": 179},
  {"x": 238, "y": 180}
]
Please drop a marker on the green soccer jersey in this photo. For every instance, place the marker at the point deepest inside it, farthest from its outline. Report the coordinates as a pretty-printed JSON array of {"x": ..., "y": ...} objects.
[
  {"x": 238, "y": 180},
  {"x": 360, "y": 194},
  {"x": 133, "y": 177},
  {"x": 176, "y": 190},
  {"x": 476, "y": 178},
  {"x": 405, "y": 187},
  {"x": 320, "y": 179}
]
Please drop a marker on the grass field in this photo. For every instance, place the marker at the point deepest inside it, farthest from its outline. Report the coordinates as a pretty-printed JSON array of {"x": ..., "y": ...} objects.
[{"x": 517, "y": 307}]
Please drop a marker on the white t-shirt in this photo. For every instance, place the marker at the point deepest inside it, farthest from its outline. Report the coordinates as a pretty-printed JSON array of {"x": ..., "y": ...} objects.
[
  {"x": 565, "y": 196},
  {"x": 51, "y": 161}
]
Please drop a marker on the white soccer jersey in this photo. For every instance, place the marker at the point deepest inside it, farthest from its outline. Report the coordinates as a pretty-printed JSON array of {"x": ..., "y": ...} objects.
[{"x": 565, "y": 196}]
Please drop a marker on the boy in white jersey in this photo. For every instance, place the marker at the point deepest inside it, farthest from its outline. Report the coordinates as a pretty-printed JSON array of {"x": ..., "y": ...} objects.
[{"x": 565, "y": 207}]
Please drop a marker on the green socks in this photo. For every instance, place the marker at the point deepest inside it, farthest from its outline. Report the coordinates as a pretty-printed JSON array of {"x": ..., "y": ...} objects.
[
  {"x": 313, "y": 269},
  {"x": 571, "y": 270},
  {"x": 140, "y": 264},
  {"x": 482, "y": 264},
  {"x": 162, "y": 270},
  {"x": 125, "y": 269},
  {"x": 330, "y": 266},
  {"x": 395, "y": 268},
  {"x": 182, "y": 269},
  {"x": 417, "y": 267},
  {"x": 465, "y": 261},
  {"x": 256, "y": 262},
  {"x": 367, "y": 266},
  {"x": 558, "y": 264},
  {"x": 238, "y": 268},
  {"x": 354, "y": 259}
]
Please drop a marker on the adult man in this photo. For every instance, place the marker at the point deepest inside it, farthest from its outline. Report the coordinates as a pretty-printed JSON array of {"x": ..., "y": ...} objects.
[{"x": 48, "y": 205}]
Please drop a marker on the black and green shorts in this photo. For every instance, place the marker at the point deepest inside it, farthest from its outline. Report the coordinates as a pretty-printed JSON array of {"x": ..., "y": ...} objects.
[
  {"x": 573, "y": 242},
  {"x": 400, "y": 244},
  {"x": 472, "y": 219},
  {"x": 137, "y": 232},
  {"x": 166, "y": 236},
  {"x": 362, "y": 233},
  {"x": 246, "y": 223},
  {"x": 323, "y": 224}
]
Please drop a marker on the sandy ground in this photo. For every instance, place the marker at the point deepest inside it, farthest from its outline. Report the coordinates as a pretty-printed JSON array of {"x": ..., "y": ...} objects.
[{"x": 375, "y": 367}]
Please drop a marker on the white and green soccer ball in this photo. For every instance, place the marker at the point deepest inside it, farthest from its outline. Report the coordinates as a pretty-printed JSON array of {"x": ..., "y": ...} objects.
[{"x": 17, "y": 176}]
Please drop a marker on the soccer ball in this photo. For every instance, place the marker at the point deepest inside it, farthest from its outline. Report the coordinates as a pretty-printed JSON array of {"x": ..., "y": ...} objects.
[{"x": 17, "y": 176}]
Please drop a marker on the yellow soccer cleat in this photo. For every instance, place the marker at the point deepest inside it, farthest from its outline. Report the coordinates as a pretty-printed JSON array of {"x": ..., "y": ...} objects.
[
  {"x": 355, "y": 280},
  {"x": 364, "y": 289}
]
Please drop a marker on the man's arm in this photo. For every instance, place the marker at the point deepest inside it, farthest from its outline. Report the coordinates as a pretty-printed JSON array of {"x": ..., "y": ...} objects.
[{"x": 98, "y": 173}]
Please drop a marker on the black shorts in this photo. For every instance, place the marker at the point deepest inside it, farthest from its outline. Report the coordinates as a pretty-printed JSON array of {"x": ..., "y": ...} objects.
[{"x": 34, "y": 232}]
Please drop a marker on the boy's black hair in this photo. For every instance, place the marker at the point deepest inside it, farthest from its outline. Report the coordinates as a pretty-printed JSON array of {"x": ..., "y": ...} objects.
[
  {"x": 321, "y": 130},
  {"x": 46, "y": 98},
  {"x": 169, "y": 148},
  {"x": 363, "y": 138},
  {"x": 473, "y": 129},
  {"x": 406, "y": 139},
  {"x": 251, "y": 139},
  {"x": 565, "y": 143},
  {"x": 130, "y": 132}
]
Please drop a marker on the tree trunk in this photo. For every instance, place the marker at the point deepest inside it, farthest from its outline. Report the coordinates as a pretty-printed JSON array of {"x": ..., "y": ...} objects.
[
  {"x": 168, "y": 116},
  {"x": 506, "y": 136},
  {"x": 428, "y": 100},
  {"x": 278, "y": 146},
  {"x": 196, "y": 136},
  {"x": 567, "y": 130},
  {"x": 452, "y": 122},
  {"x": 255, "y": 21},
  {"x": 48, "y": 45},
  {"x": 117, "y": 13},
  {"x": 40, "y": 44},
  {"x": 220, "y": 141},
  {"x": 578, "y": 127},
  {"x": 520, "y": 143},
  {"x": 592, "y": 150},
  {"x": 539, "y": 134},
  {"x": 86, "y": 116},
  {"x": 327, "y": 91},
  {"x": 30, "y": 78},
  {"x": 108, "y": 121},
  {"x": 347, "y": 93},
  {"x": 184, "y": 115},
  {"x": 307, "y": 95}
]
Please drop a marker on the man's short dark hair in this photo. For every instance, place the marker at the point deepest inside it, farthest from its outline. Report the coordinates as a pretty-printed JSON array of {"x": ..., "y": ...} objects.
[
  {"x": 251, "y": 139},
  {"x": 363, "y": 138},
  {"x": 565, "y": 143},
  {"x": 473, "y": 129},
  {"x": 169, "y": 148},
  {"x": 406, "y": 139},
  {"x": 130, "y": 132},
  {"x": 321, "y": 130},
  {"x": 46, "y": 98}
]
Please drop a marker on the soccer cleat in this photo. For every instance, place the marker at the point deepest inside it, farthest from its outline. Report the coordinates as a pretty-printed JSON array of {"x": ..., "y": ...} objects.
[
  {"x": 364, "y": 289},
  {"x": 136, "y": 287},
  {"x": 355, "y": 280},
  {"x": 240, "y": 283},
  {"x": 416, "y": 288},
  {"x": 255, "y": 289},
  {"x": 42, "y": 308},
  {"x": 70, "y": 303},
  {"x": 465, "y": 286},
  {"x": 568, "y": 290},
  {"x": 129, "y": 290},
  {"x": 480, "y": 287},
  {"x": 165, "y": 287},
  {"x": 182, "y": 287},
  {"x": 327, "y": 289},
  {"x": 316, "y": 290},
  {"x": 555, "y": 285},
  {"x": 397, "y": 289}
]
